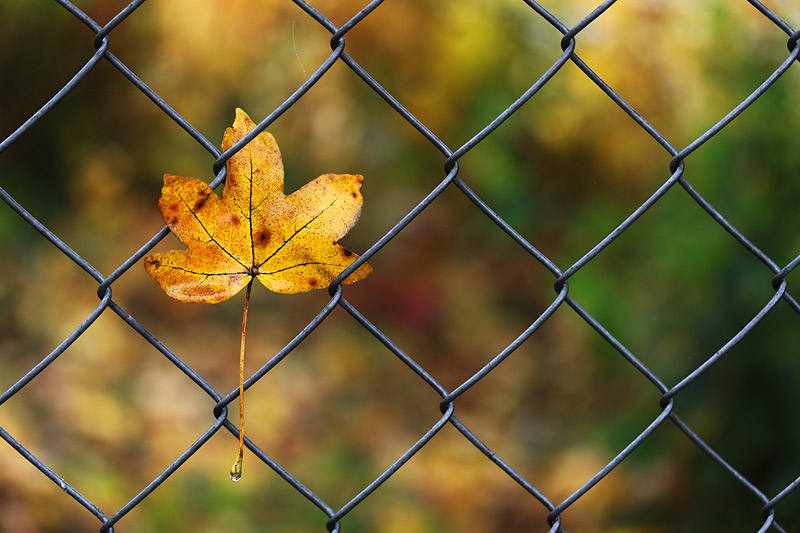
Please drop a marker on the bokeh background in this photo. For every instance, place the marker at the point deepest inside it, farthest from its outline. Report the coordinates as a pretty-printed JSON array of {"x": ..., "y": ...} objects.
[{"x": 452, "y": 290}]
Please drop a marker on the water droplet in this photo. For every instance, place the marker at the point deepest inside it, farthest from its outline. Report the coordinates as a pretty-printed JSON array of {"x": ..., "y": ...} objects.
[{"x": 236, "y": 470}]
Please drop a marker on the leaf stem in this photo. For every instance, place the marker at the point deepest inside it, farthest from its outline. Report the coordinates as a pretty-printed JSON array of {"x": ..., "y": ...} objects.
[{"x": 236, "y": 469}]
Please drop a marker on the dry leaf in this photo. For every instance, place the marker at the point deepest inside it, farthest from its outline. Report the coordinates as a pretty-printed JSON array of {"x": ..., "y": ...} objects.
[{"x": 289, "y": 243}]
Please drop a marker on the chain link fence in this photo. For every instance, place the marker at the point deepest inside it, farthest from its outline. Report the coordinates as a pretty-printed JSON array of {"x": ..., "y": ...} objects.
[{"x": 220, "y": 421}]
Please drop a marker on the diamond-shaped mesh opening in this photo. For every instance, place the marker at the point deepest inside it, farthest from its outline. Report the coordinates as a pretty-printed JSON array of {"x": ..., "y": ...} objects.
[{"x": 609, "y": 152}]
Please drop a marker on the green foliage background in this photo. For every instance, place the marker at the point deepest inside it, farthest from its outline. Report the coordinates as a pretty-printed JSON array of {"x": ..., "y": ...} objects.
[{"x": 452, "y": 290}]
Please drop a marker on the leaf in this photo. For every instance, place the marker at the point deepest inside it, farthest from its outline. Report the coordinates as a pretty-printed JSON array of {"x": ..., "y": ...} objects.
[
  {"x": 289, "y": 243},
  {"x": 254, "y": 231}
]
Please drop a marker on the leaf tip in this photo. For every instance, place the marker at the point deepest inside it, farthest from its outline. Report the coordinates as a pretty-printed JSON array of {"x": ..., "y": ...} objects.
[{"x": 243, "y": 118}]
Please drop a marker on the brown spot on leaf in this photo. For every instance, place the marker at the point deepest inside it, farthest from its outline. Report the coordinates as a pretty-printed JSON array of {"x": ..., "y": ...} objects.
[
  {"x": 261, "y": 238},
  {"x": 312, "y": 282},
  {"x": 199, "y": 290},
  {"x": 346, "y": 252},
  {"x": 200, "y": 202},
  {"x": 235, "y": 220}
]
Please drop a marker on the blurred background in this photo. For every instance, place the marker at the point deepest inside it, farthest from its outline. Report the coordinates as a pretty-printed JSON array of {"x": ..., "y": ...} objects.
[{"x": 452, "y": 290}]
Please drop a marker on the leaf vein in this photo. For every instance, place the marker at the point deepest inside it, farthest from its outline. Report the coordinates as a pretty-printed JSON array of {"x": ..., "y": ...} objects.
[
  {"x": 210, "y": 236},
  {"x": 297, "y": 231}
]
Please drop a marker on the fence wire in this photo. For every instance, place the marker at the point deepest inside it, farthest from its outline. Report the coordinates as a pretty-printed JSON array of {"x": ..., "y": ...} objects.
[{"x": 219, "y": 419}]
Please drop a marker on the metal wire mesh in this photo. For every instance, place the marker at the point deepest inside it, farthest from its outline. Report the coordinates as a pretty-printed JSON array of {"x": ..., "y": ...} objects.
[{"x": 108, "y": 518}]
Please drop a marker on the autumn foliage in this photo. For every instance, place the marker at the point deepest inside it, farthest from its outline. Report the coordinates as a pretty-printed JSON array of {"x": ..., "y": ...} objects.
[
  {"x": 254, "y": 231},
  {"x": 288, "y": 243}
]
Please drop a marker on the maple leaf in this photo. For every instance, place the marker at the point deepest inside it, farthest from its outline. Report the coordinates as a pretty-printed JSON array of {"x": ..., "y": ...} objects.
[
  {"x": 255, "y": 231},
  {"x": 289, "y": 243}
]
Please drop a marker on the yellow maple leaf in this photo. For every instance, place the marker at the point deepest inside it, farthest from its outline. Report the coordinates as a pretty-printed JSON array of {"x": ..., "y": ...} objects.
[
  {"x": 289, "y": 243},
  {"x": 255, "y": 231}
]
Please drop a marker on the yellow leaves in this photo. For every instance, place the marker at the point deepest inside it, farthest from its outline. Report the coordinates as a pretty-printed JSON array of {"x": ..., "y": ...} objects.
[{"x": 289, "y": 243}]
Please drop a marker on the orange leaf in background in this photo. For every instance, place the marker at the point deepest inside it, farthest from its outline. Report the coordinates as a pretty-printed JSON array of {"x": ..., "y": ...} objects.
[
  {"x": 289, "y": 243},
  {"x": 255, "y": 231}
]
